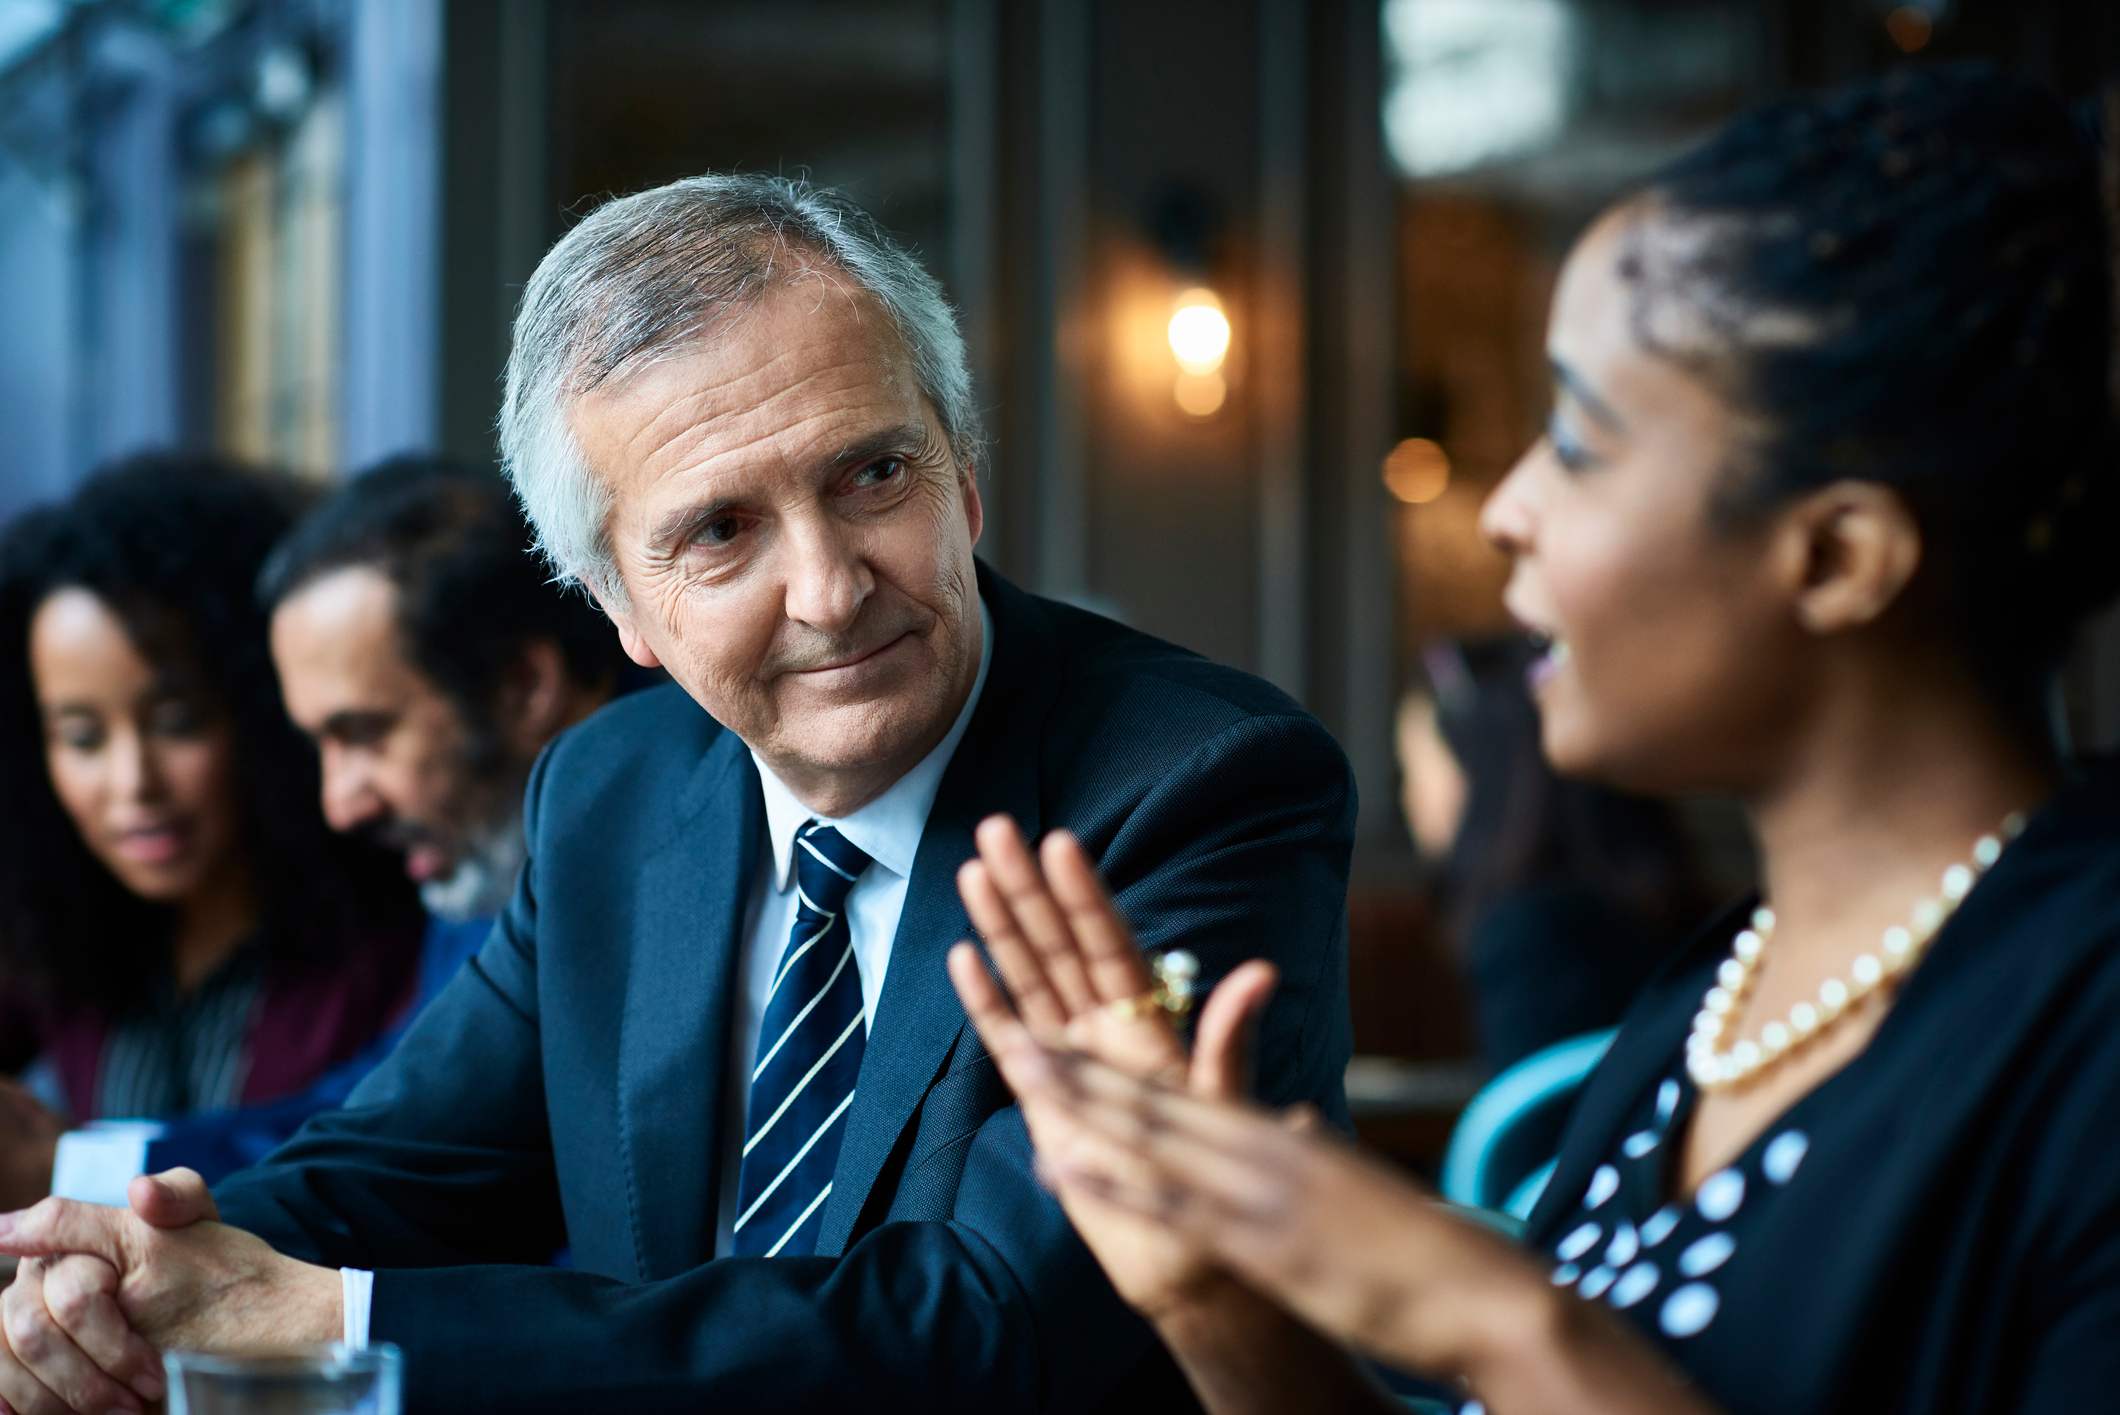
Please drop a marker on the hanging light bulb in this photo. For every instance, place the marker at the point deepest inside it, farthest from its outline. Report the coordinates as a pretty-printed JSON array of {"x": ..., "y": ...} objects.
[{"x": 1199, "y": 340}]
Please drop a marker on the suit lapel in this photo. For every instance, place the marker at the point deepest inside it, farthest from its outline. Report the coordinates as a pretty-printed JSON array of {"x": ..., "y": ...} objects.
[
  {"x": 918, "y": 1017},
  {"x": 673, "y": 1042}
]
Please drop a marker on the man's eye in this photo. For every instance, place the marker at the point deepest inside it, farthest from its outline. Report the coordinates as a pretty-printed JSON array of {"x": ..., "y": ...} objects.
[
  {"x": 720, "y": 531},
  {"x": 879, "y": 472}
]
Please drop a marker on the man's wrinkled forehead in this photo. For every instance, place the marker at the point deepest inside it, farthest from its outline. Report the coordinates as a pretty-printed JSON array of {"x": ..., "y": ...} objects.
[{"x": 797, "y": 370}]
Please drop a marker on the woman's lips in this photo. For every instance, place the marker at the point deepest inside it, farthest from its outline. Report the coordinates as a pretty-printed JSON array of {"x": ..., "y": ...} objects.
[
  {"x": 1547, "y": 664},
  {"x": 153, "y": 845}
]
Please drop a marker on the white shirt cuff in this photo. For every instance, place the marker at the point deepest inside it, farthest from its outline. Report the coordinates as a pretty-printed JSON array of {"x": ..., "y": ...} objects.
[
  {"x": 95, "y": 1165},
  {"x": 357, "y": 1292}
]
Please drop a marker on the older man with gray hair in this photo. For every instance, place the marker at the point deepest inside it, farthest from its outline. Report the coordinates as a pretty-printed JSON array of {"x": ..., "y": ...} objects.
[{"x": 710, "y": 1046}]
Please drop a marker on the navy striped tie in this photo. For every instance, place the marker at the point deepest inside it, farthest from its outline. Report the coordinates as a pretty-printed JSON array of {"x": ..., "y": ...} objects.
[{"x": 809, "y": 1054}]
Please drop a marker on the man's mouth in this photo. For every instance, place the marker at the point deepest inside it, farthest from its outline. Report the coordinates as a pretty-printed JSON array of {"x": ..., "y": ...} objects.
[
  {"x": 426, "y": 861},
  {"x": 854, "y": 660}
]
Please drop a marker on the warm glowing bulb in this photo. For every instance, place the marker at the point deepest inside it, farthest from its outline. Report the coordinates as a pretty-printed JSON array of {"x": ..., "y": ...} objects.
[
  {"x": 1200, "y": 395},
  {"x": 1417, "y": 471},
  {"x": 1199, "y": 332}
]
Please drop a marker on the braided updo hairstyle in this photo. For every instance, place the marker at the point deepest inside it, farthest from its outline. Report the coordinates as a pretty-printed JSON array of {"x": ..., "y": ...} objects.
[{"x": 1909, "y": 281}]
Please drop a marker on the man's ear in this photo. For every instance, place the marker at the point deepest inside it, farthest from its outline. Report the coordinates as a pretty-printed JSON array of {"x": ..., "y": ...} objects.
[
  {"x": 1848, "y": 552},
  {"x": 974, "y": 508},
  {"x": 535, "y": 697},
  {"x": 629, "y": 637}
]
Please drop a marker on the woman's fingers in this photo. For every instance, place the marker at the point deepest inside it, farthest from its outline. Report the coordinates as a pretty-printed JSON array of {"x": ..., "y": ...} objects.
[
  {"x": 1020, "y": 968},
  {"x": 1111, "y": 959},
  {"x": 1221, "y": 1058},
  {"x": 1205, "y": 1154},
  {"x": 1009, "y": 864},
  {"x": 1022, "y": 1061}
]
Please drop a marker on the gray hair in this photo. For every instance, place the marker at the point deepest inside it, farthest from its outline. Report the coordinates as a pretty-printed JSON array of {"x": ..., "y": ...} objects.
[{"x": 645, "y": 276}]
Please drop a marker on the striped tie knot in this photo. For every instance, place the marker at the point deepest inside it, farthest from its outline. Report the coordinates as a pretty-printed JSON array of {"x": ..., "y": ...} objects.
[
  {"x": 810, "y": 1041},
  {"x": 826, "y": 866}
]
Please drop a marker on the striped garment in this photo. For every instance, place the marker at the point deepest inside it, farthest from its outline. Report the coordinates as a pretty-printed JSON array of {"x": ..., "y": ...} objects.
[{"x": 172, "y": 1055}]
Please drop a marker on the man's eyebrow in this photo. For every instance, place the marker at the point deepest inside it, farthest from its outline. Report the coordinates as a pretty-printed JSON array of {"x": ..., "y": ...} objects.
[
  {"x": 350, "y": 721},
  {"x": 683, "y": 523},
  {"x": 905, "y": 437},
  {"x": 1582, "y": 393}
]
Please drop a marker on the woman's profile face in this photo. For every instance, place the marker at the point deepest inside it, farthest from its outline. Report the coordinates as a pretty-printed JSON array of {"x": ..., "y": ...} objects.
[
  {"x": 143, "y": 767},
  {"x": 1672, "y": 653}
]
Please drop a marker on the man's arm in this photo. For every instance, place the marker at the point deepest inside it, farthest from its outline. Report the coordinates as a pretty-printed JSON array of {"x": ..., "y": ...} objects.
[
  {"x": 1240, "y": 851},
  {"x": 442, "y": 1154}
]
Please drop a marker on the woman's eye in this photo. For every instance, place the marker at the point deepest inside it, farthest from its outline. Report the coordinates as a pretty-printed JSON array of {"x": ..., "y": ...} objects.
[
  {"x": 1566, "y": 450},
  {"x": 79, "y": 739},
  {"x": 177, "y": 719}
]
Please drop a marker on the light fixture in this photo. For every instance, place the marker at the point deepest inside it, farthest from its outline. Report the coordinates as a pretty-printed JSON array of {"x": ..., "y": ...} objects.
[
  {"x": 1184, "y": 227},
  {"x": 1199, "y": 340},
  {"x": 1199, "y": 331},
  {"x": 1417, "y": 471}
]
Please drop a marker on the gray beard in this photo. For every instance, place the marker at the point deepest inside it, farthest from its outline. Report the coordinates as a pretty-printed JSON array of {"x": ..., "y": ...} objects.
[{"x": 481, "y": 884}]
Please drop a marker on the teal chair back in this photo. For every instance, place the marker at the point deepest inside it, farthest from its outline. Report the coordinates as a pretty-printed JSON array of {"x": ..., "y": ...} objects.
[{"x": 1501, "y": 1152}]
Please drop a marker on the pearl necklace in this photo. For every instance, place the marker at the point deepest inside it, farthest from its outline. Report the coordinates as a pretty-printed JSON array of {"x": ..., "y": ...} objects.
[{"x": 1900, "y": 949}]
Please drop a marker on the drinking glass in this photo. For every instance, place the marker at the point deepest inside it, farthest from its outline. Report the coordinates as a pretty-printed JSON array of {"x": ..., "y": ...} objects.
[{"x": 328, "y": 1380}]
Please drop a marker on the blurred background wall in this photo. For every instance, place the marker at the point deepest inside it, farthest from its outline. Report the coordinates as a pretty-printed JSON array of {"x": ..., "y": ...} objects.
[{"x": 296, "y": 229}]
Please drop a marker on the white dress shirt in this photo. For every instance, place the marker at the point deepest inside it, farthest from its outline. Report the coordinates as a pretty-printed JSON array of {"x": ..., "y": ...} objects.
[{"x": 888, "y": 831}]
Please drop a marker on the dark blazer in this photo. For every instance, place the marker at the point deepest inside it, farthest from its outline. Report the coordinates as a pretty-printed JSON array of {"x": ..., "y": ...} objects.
[
  {"x": 1951, "y": 1244},
  {"x": 568, "y": 1087}
]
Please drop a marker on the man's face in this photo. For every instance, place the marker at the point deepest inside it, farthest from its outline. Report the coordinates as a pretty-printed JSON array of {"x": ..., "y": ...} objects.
[
  {"x": 396, "y": 754},
  {"x": 795, "y": 538}
]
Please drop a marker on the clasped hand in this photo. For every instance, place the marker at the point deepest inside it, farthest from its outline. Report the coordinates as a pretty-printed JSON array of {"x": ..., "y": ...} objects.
[{"x": 102, "y": 1290}]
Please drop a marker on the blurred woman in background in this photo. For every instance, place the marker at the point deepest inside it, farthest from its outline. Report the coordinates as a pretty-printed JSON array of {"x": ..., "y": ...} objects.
[
  {"x": 178, "y": 929},
  {"x": 1829, "y": 488},
  {"x": 1561, "y": 896}
]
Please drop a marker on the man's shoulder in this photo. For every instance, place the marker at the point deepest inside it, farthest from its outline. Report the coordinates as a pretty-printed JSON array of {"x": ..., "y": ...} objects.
[
  {"x": 645, "y": 742},
  {"x": 1114, "y": 678}
]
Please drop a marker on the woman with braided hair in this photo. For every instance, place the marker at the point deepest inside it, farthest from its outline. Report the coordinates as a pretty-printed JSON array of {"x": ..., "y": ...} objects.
[{"x": 1828, "y": 488}]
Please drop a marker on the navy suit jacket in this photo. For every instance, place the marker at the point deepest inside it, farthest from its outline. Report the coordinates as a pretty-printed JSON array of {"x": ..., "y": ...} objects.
[{"x": 568, "y": 1087}]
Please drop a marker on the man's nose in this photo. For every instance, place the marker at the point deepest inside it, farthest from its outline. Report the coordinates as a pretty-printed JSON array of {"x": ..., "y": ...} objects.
[
  {"x": 350, "y": 797},
  {"x": 828, "y": 580}
]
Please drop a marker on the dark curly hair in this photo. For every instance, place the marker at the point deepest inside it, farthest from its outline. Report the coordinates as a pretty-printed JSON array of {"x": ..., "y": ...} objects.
[
  {"x": 471, "y": 591},
  {"x": 172, "y": 545},
  {"x": 1910, "y": 281}
]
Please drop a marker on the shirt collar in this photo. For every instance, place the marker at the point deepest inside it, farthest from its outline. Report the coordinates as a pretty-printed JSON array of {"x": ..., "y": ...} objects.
[{"x": 887, "y": 829}]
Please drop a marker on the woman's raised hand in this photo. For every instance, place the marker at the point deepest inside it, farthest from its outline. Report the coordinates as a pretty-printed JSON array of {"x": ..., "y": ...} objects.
[{"x": 1080, "y": 984}]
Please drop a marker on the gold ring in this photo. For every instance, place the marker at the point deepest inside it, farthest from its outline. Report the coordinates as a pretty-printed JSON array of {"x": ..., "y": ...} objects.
[
  {"x": 1126, "y": 1009},
  {"x": 1176, "y": 973}
]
